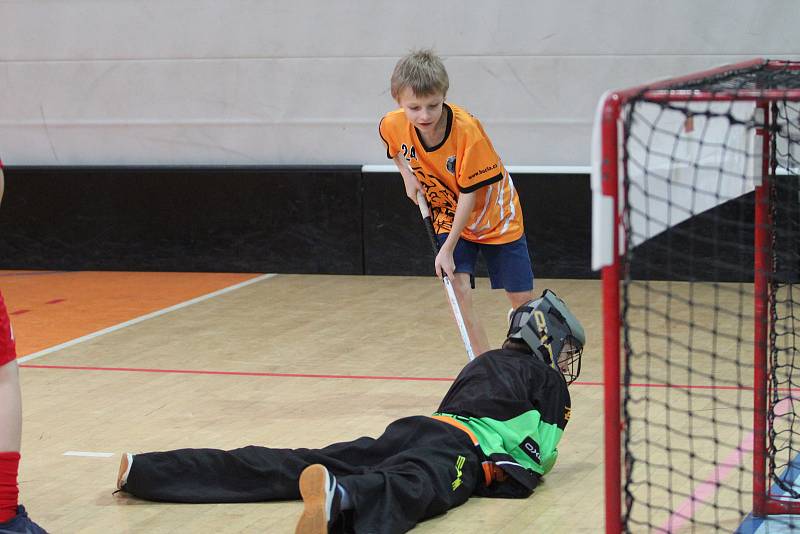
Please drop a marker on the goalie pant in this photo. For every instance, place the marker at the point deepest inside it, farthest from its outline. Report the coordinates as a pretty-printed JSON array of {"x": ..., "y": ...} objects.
[{"x": 418, "y": 468}]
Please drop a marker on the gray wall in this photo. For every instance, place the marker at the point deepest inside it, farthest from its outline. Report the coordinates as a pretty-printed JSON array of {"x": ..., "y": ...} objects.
[{"x": 305, "y": 82}]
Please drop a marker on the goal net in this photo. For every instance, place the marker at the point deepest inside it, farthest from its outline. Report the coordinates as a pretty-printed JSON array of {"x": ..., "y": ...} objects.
[{"x": 696, "y": 223}]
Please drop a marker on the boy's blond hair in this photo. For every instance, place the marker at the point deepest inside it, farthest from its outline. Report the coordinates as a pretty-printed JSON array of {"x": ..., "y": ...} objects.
[{"x": 423, "y": 72}]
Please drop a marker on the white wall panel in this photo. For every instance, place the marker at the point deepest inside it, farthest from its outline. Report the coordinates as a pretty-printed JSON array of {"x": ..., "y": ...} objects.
[
  {"x": 125, "y": 29},
  {"x": 242, "y": 82}
]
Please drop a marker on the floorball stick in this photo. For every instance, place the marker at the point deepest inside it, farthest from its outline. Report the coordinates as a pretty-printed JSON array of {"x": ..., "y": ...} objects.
[{"x": 448, "y": 285}]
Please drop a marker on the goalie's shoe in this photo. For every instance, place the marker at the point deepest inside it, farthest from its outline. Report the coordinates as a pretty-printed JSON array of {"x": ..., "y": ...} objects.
[
  {"x": 21, "y": 524},
  {"x": 322, "y": 500}
]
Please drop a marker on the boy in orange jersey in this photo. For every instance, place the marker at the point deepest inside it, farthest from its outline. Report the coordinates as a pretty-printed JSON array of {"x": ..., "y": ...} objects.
[
  {"x": 444, "y": 152},
  {"x": 13, "y": 517}
]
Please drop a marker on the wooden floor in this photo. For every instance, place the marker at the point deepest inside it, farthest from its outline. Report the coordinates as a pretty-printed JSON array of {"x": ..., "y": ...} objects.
[{"x": 284, "y": 361}]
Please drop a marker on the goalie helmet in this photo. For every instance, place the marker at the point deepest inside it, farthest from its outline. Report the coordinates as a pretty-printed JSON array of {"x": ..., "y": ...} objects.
[{"x": 552, "y": 332}]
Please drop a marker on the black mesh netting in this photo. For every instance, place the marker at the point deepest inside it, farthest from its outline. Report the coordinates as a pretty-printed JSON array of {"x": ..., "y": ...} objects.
[{"x": 692, "y": 157}]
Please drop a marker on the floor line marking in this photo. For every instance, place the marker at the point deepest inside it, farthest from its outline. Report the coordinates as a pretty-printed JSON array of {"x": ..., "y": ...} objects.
[
  {"x": 233, "y": 373},
  {"x": 89, "y": 454},
  {"x": 277, "y": 375},
  {"x": 703, "y": 492},
  {"x": 142, "y": 318}
]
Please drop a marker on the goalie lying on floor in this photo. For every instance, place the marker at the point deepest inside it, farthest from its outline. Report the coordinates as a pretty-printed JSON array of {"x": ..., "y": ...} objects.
[{"x": 495, "y": 434}]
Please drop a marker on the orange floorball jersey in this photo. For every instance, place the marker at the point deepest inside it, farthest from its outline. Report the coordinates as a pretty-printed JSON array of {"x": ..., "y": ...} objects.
[{"x": 463, "y": 162}]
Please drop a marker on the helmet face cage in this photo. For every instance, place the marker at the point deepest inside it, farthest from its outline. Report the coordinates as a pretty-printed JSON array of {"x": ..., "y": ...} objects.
[
  {"x": 569, "y": 359},
  {"x": 550, "y": 329}
]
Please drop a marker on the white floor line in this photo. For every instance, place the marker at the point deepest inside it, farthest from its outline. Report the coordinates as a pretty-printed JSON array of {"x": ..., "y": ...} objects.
[
  {"x": 137, "y": 320},
  {"x": 89, "y": 454}
]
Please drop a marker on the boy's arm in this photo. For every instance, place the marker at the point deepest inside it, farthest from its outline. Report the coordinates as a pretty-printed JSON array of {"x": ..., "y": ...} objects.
[
  {"x": 409, "y": 180},
  {"x": 444, "y": 260}
]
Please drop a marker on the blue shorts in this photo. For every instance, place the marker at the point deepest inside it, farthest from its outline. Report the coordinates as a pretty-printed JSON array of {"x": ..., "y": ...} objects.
[{"x": 509, "y": 264}]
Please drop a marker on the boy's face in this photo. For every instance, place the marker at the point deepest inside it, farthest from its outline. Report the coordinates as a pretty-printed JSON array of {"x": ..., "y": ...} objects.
[{"x": 424, "y": 112}]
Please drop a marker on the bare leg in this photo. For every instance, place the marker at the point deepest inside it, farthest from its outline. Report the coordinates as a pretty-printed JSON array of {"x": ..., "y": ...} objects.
[
  {"x": 475, "y": 330},
  {"x": 10, "y": 408},
  {"x": 13, "y": 517},
  {"x": 10, "y": 432},
  {"x": 519, "y": 298}
]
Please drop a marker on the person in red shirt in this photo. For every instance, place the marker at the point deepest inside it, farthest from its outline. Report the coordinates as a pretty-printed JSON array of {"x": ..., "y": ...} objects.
[
  {"x": 444, "y": 152},
  {"x": 13, "y": 517}
]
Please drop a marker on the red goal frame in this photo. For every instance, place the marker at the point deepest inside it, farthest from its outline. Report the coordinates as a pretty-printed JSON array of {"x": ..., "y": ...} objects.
[{"x": 608, "y": 168}]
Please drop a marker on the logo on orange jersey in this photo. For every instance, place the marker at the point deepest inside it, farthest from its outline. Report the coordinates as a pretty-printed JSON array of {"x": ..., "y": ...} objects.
[
  {"x": 482, "y": 171},
  {"x": 451, "y": 165}
]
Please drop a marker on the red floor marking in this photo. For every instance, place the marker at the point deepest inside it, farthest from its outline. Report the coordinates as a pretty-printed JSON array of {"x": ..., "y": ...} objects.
[
  {"x": 230, "y": 373},
  {"x": 354, "y": 377},
  {"x": 20, "y": 312}
]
